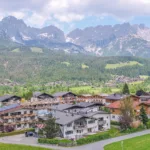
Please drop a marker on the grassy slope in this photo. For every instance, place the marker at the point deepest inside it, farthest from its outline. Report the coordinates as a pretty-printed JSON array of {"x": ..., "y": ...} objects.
[
  {"x": 118, "y": 65},
  {"x": 19, "y": 147},
  {"x": 138, "y": 143}
]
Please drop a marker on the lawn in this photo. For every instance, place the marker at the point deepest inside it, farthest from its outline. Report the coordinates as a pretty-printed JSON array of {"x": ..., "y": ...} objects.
[
  {"x": 36, "y": 50},
  {"x": 16, "y": 50},
  {"x": 137, "y": 143},
  {"x": 66, "y": 63},
  {"x": 19, "y": 147},
  {"x": 129, "y": 63},
  {"x": 83, "y": 66}
]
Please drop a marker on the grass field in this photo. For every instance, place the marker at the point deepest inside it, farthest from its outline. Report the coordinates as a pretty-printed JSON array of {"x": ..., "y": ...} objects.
[
  {"x": 137, "y": 143},
  {"x": 84, "y": 66},
  {"x": 36, "y": 50},
  {"x": 66, "y": 63},
  {"x": 19, "y": 147},
  {"x": 129, "y": 63},
  {"x": 16, "y": 50}
]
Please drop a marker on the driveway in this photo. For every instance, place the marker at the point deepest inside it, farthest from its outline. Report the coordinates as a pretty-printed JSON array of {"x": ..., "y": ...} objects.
[{"x": 21, "y": 139}]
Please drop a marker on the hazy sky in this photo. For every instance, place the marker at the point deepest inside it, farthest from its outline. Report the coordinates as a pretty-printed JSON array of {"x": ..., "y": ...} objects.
[{"x": 70, "y": 14}]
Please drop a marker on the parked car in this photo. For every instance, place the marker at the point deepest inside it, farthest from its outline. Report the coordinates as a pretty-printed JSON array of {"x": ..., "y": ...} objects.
[{"x": 30, "y": 133}]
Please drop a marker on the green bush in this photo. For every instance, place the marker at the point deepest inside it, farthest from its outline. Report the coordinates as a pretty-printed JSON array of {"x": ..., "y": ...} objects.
[
  {"x": 148, "y": 125},
  {"x": 115, "y": 123},
  {"x": 93, "y": 138},
  {"x": 15, "y": 132},
  {"x": 60, "y": 142},
  {"x": 132, "y": 130}
]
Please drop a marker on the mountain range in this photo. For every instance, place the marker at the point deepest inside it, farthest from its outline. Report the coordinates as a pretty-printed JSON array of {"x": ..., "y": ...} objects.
[{"x": 118, "y": 40}]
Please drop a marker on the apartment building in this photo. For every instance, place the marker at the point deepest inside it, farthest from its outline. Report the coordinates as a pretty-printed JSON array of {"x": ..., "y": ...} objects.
[
  {"x": 80, "y": 119},
  {"x": 17, "y": 117}
]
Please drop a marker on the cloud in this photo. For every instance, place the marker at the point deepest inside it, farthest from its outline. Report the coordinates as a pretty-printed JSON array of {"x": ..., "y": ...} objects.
[{"x": 38, "y": 12}]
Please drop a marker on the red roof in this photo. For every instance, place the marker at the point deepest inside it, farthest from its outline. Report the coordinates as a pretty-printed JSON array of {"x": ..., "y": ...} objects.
[
  {"x": 117, "y": 104},
  {"x": 146, "y": 103}
]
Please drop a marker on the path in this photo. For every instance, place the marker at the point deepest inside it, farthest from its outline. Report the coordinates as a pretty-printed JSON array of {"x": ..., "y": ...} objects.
[{"x": 20, "y": 139}]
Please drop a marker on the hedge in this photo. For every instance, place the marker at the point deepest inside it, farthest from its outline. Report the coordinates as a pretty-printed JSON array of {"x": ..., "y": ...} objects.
[
  {"x": 93, "y": 138},
  {"x": 115, "y": 123},
  {"x": 60, "y": 142},
  {"x": 15, "y": 132}
]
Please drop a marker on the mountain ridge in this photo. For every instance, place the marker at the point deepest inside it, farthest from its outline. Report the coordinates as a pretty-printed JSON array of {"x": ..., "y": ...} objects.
[{"x": 103, "y": 40}]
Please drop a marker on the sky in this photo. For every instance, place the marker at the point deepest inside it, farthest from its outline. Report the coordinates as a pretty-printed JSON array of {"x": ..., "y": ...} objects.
[{"x": 70, "y": 14}]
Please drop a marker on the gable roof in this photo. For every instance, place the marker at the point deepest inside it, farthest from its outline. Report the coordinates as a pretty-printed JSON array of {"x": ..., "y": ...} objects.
[
  {"x": 9, "y": 107},
  {"x": 38, "y": 94},
  {"x": 65, "y": 118},
  {"x": 58, "y": 94},
  {"x": 116, "y": 96},
  {"x": 87, "y": 104},
  {"x": 64, "y": 106},
  {"x": 117, "y": 104},
  {"x": 7, "y": 97}
]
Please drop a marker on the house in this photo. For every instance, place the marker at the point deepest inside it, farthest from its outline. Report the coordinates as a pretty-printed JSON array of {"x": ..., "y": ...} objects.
[
  {"x": 115, "y": 109},
  {"x": 115, "y": 97},
  {"x": 146, "y": 105},
  {"x": 42, "y": 96},
  {"x": 9, "y": 99},
  {"x": 65, "y": 97},
  {"x": 75, "y": 126},
  {"x": 91, "y": 98},
  {"x": 17, "y": 117},
  {"x": 77, "y": 120}
]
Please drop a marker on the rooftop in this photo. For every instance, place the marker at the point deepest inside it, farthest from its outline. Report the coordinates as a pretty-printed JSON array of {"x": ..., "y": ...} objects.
[
  {"x": 6, "y": 108},
  {"x": 65, "y": 118},
  {"x": 6, "y": 97},
  {"x": 116, "y": 96},
  {"x": 62, "y": 94}
]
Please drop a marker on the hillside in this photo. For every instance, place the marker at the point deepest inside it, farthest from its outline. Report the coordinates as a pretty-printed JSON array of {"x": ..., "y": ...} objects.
[{"x": 43, "y": 66}]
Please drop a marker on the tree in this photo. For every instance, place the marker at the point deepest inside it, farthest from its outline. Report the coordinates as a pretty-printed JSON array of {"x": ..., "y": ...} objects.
[
  {"x": 125, "y": 89},
  {"x": 51, "y": 129},
  {"x": 127, "y": 113},
  {"x": 143, "y": 116}
]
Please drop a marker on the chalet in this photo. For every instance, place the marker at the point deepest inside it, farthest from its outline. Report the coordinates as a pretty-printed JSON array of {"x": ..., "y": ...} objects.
[
  {"x": 115, "y": 97},
  {"x": 92, "y": 98},
  {"x": 16, "y": 117},
  {"x": 116, "y": 112},
  {"x": 146, "y": 105},
  {"x": 9, "y": 99},
  {"x": 65, "y": 96},
  {"x": 42, "y": 96}
]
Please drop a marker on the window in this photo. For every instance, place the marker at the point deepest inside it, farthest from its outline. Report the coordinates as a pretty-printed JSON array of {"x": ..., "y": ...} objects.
[
  {"x": 113, "y": 116},
  {"x": 79, "y": 131},
  {"x": 91, "y": 121},
  {"x": 69, "y": 125},
  {"x": 31, "y": 112},
  {"x": 69, "y": 132},
  {"x": 25, "y": 112}
]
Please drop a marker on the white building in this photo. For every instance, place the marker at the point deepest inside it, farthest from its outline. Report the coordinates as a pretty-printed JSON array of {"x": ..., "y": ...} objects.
[{"x": 80, "y": 119}]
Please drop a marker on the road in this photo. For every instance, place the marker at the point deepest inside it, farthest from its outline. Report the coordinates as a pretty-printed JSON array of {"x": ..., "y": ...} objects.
[{"x": 21, "y": 139}]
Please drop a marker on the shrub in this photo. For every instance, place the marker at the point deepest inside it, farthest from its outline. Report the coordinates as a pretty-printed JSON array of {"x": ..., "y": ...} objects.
[
  {"x": 148, "y": 124},
  {"x": 115, "y": 123},
  {"x": 15, "y": 132},
  {"x": 93, "y": 138},
  {"x": 60, "y": 142}
]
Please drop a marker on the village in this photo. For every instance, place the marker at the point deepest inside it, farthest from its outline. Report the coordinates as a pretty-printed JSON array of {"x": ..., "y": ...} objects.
[{"x": 76, "y": 115}]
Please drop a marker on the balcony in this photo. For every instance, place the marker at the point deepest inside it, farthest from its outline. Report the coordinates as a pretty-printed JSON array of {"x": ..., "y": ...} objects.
[
  {"x": 80, "y": 126},
  {"x": 102, "y": 122}
]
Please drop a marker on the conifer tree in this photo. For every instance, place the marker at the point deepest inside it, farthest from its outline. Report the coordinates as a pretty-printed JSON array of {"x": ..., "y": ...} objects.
[
  {"x": 125, "y": 89},
  {"x": 143, "y": 116}
]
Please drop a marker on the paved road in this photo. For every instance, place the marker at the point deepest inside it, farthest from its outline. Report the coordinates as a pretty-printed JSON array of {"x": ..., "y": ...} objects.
[{"x": 20, "y": 139}]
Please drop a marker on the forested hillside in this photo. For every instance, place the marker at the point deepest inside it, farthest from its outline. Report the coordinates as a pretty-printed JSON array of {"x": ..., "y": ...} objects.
[{"x": 39, "y": 67}]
